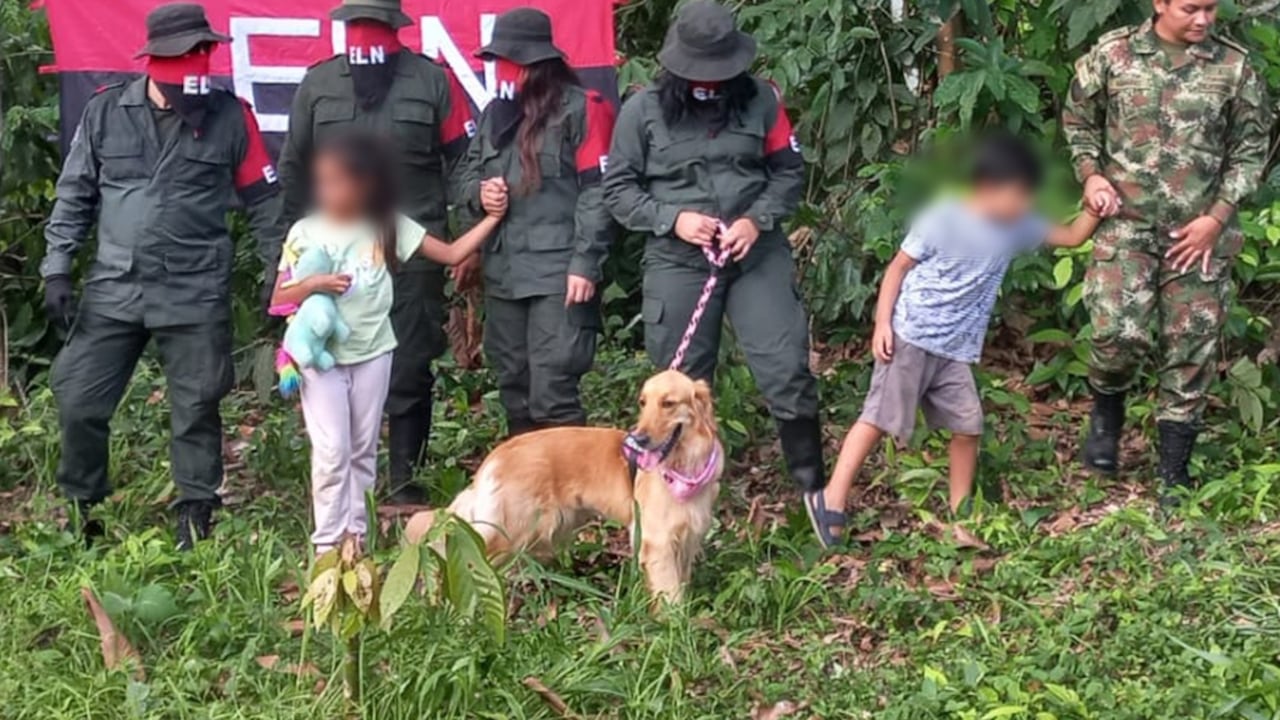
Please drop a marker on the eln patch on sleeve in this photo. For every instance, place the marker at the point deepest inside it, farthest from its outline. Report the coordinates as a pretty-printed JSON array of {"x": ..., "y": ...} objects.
[
  {"x": 255, "y": 175},
  {"x": 781, "y": 136},
  {"x": 459, "y": 125},
  {"x": 592, "y": 157}
]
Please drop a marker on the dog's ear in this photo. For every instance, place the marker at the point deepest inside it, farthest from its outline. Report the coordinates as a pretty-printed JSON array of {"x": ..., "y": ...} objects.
[{"x": 702, "y": 401}]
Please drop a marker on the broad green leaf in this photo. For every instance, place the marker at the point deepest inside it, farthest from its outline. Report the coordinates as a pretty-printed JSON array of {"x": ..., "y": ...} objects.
[
  {"x": 154, "y": 604},
  {"x": 399, "y": 583},
  {"x": 323, "y": 595},
  {"x": 1062, "y": 272},
  {"x": 472, "y": 582},
  {"x": 1050, "y": 335}
]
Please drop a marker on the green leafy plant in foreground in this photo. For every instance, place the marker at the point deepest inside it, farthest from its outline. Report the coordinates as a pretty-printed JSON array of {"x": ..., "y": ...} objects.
[{"x": 347, "y": 593}]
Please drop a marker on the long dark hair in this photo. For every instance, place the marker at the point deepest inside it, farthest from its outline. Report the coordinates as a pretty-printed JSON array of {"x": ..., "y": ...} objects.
[
  {"x": 369, "y": 160},
  {"x": 675, "y": 97},
  {"x": 540, "y": 97}
]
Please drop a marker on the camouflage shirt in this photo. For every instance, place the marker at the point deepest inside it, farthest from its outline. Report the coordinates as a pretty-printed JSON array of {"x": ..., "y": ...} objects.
[{"x": 1178, "y": 137}]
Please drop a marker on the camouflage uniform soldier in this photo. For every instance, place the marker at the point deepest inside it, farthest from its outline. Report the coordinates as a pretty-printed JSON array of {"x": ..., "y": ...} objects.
[{"x": 1168, "y": 128}]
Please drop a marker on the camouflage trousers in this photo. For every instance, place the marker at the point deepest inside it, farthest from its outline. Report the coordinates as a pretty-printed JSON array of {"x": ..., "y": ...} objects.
[{"x": 1139, "y": 303}]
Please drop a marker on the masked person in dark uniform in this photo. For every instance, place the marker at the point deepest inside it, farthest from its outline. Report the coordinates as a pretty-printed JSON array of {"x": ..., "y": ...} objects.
[
  {"x": 708, "y": 146},
  {"x": 541, "y": 148},
  {"x": 155, "y": 163},
  {"x": 381, "y": 87}
]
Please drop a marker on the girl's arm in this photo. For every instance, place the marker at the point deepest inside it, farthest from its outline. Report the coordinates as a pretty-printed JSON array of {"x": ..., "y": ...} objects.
[
  {"x": 288, "y": 293},
  {"x": 455, "y": 252},
  {"x": 1075, "y": 234}
]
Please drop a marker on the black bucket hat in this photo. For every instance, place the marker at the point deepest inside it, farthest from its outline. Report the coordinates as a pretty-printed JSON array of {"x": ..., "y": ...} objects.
[
  {"x": 523, "y": 36},
  {"x": 705, "y": 45},
  {"x": 177, "y": 29},
  {"x": 385, "y": 11}
]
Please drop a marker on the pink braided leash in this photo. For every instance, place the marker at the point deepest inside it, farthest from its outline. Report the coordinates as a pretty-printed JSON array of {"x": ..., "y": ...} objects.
[{"x": 717, "y": 258}]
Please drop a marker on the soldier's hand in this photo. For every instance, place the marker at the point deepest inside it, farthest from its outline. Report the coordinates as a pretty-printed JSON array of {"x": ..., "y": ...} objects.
[
  {"x": 1195, "y": 243},
  {"x": 696, "y": 228},
  {"x": 494, "y": 196},
  {"x": 1101, "y": 196},
  {"x": 466, "y": 273},
  {"x": 740, "y": 238},
  {"x": 58, "y": 299},
  {"x": 578, "y": 290}
]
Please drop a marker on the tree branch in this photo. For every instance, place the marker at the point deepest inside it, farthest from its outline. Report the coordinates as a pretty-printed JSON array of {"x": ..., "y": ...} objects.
[{"x": 1262, "y": 8}]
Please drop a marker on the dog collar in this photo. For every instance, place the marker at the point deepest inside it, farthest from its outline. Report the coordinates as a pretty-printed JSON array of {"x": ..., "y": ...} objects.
[{"x": 686, "y": 486}]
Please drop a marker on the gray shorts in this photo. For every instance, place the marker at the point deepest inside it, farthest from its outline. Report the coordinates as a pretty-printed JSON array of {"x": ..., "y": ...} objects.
[{"x": 918, "y": 379}]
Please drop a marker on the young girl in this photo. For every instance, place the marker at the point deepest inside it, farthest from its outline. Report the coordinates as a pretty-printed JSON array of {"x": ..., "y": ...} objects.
[{"x": 356, "y": 222}]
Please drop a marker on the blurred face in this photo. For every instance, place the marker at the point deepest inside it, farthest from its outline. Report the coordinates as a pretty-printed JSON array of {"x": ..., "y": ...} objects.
[
  {"x": 1005, "y": 201},
  {"x": 1186, "y": 21},
  {"x": 337, "y": 193}
]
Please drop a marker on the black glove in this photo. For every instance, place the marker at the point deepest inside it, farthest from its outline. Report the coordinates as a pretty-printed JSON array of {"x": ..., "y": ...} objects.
[{"x": 58, "y": 299}]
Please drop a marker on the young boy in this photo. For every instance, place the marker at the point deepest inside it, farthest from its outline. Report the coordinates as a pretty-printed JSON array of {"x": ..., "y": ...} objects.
[{"x": 931, "y": 318}]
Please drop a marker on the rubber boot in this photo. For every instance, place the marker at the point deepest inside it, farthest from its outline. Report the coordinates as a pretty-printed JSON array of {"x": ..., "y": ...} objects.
[
  {"x": 1102, "y": 444},
  {"x": 90, "y": 529},
  {"x": 407, "y": 444},
  {"x": 195, "y": 520},
  {"x": 1177, "y": 440},
  {"x": 520, "y": 425},
  {"x": 802, "y": 449}
]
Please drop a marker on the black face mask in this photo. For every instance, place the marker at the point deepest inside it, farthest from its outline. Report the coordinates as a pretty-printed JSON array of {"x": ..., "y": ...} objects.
[
  {"x": 184, "y": 84},
  {"x": 507, "y": 115},
  {"x": 373, "y": 82}
]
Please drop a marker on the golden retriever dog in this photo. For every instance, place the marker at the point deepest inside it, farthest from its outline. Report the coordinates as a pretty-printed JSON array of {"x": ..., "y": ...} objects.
[{"x": 535, "y": 491}]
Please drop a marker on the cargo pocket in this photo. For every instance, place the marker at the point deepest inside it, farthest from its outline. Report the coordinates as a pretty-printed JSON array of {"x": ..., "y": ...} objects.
[
  {"x": 205, "y": 167},
  {"x": 585, "y": 316},
  {"x": 332, "y": 116},
  {"x": 415, "y": 128},
  {"x": 122, "y": 157},
  {"x": 196, "y": 274}
]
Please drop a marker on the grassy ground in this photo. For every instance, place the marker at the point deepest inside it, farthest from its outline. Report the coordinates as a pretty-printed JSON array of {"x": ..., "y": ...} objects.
[{"x": 1063, "y": 597}]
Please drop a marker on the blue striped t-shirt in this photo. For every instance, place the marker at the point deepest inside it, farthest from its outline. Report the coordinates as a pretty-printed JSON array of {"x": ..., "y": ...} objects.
[{"x": 961, "y": 257}]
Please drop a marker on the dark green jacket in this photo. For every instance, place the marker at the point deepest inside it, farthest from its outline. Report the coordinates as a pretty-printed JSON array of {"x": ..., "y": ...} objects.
[
  {"x": 418, "y": 114},
  {"x": 563, "y": 227},
  {"x": 751, "y": 169},
  {"x": 164, "y": 254}
]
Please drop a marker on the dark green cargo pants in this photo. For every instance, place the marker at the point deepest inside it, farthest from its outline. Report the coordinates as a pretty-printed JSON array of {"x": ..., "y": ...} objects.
[
  {"x": 417, "y": 316},
  {"x": 763, "y": 305},
  {"x": 90, "y": 376},
  {"x": 540, "y": 350}
]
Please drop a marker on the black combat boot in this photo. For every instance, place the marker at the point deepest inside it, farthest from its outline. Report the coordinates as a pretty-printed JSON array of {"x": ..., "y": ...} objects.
[
  {"x": 90, "y": 528},
  {"x": 407, "y": 441},
  {"x": 1102, "y": 444},
  {"x": 1177, "y": 440},
  {"x": 195, "y": 520},
  {"x": 520, "y": 425},
  {"x": 802, "y": 449}
]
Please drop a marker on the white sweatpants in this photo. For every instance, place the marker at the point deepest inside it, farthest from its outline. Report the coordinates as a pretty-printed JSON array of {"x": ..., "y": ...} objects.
[{"x": 343, "y": 411}]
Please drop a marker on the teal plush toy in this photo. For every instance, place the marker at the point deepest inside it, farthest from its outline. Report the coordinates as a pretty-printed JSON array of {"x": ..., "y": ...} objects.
[{"x": 317, "y": 319}]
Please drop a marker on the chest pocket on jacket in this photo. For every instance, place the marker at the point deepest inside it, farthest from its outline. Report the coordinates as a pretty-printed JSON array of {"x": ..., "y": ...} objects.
[
  {"x": 415, "y": 126},
  {"x": 331, "y": 116},
  {"x": 205, "y": 165},
  {"x": 1133, "y": 96},
  {"x": 1202, "y": 108},
  {"x": 121, "y": 157}
]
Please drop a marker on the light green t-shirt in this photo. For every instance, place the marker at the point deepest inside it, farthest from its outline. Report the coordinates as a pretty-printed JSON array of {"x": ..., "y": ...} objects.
[{"x": 354, "y": 249}]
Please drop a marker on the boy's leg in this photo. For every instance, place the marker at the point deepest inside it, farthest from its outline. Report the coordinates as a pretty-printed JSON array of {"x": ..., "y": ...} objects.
[
  {"x": 858, "y": 444},
  {"x": 951, "y": 402},
  {"x": 964, "y": 467},
  {"x": 367, "y": 394},
  {"x": 328, "y": 417}
]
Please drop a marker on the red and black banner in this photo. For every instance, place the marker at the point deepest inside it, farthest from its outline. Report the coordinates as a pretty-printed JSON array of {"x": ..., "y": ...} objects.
[{"x": 275, "y": 41}]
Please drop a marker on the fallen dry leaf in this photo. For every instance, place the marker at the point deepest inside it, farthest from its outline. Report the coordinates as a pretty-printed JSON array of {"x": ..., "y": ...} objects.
[
  {"x": 966, "y": 539},
  {"x": 775, "y": 711},
  {"x": 272, "y": 662},
  {"x": 294, "y": 627},
  {"x": 115, "y": 647},
  {"x": 550, "y": 697}
]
